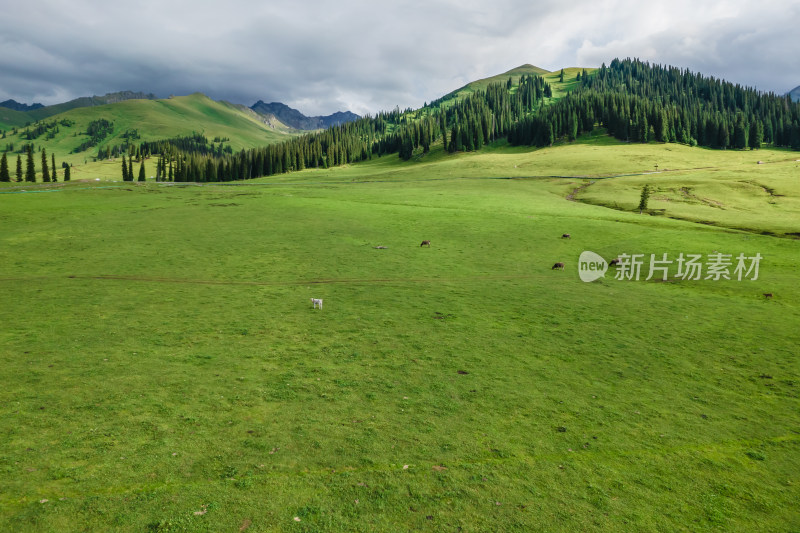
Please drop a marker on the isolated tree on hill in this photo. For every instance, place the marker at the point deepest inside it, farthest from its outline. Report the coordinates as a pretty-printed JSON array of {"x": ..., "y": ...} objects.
[
  {"x": 66, "y": 173},
  {"x": 45, "y": 172},
  {"x": 19, "y": 168},
  {"x": 141, "y": 171},
  {"x": 30, "y": 169},
  {"x": 561, "y": 76},
  {"x": 644, "y": 198},
  {"x": 53, "y": 166},
  {"x": 4, "y": 175}
]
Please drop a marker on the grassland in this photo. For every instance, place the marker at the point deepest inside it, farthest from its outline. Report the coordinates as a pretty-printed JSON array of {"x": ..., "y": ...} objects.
[{"x": 163, "y": 368}]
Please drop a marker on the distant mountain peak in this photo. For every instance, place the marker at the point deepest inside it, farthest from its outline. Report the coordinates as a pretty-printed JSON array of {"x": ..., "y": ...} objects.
[
  {"x": 297, "y": 120},
  {"x": 794, "y": 94},
  {"x": 16, "y": 106}
]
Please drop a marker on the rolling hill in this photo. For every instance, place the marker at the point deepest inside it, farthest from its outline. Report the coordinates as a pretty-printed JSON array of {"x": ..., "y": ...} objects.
[
  {"x": 553, "y": 78},
  {"x": 137, "y": 120},
  {"x": 35, "y": 112}
]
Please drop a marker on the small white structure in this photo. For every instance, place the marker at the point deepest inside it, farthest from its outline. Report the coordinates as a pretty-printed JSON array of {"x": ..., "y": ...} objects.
[{"x": 316, "y": 302}]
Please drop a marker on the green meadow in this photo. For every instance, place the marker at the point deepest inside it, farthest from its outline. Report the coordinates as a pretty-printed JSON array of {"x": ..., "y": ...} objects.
[{"x": 163, "y": 368}]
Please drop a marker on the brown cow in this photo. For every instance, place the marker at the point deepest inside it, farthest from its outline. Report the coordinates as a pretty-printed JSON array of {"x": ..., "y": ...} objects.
[
  {"x": 614, "y": 261},
  {"x": 425, "y": 243},
  {"x": 558, "y": 266},
  {"x": 565, "y": 236},
  {"x": 768, "y": 295}
]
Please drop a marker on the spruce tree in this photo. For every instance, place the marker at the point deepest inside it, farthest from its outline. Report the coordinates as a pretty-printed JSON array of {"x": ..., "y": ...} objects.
[
  {"x": 644, "y": 198},
  {"x": 130, "y": 168},
  {"x": 756, "y": 134},
  {"x": 45, "y": 172},
  {"x": 4, "y": 175},
  {"x": 124, "y": 169},
  {"x": 53, "y": 166},
  {"x": 19, "y": 168},
  {"x": 572, "y": 126},
  {"x": 66, "y": 173},
  {"x": 30, "y": 169},
  {"x": 141, "y": 170}
]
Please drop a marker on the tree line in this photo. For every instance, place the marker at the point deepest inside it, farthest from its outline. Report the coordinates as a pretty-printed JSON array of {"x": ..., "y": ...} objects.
[{"x": 48, "y": 171}]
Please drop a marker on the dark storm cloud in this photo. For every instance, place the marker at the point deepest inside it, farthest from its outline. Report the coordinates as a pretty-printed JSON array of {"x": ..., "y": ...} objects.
[{"x": 322, "y": 56}]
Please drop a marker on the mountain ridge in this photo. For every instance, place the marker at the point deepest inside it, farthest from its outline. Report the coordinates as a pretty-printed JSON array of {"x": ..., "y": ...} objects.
[
  {"x": 297, "y": 120},
  {"x": 16, "y": 106}
]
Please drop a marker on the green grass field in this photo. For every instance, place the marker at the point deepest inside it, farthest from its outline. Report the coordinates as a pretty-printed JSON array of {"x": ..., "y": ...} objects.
[{"x": 164, "y": 370}]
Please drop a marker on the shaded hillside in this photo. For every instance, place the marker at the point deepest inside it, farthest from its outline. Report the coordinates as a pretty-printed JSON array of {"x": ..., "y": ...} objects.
[
  {"x": 297, "y": 120},
  {"x": 16, "y": 106},
  {"x": 795, "y": 94}
]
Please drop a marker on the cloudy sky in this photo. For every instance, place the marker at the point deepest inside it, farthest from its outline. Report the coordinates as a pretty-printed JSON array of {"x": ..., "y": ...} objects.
[{"x": 322, "y": 56}]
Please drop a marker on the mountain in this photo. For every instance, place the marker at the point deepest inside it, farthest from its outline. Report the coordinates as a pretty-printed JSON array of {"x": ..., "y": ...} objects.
[
  {"x": 795, "y": 94},
  {"x": 16, "y": 106},
  {"x": 295, "y": 119}
]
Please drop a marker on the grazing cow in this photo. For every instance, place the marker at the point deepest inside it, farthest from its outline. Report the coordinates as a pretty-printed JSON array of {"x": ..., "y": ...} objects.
[
  {"x": 425, "y": 243},
  {"x": 316, "y": 302},
  {"x": 614, "y": 261},
  {"x": 768, "y": 295},
  {"x": 558, "y": 266},
  {"x": 565, "y": 236}
]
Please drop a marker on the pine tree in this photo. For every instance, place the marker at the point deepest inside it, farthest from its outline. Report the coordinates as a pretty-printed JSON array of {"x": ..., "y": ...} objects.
[
  {"x": 45, "y": 172},
  {"x": 130, "y": 167},
  {"x": 4, "y": 175},
  {"x": 661, "y": 127},
  {"x": 561, "y": 76},
  {"x": 53, "y": 166},
  {"x": 740, "y": 133},
  {"x": 124, "y": 169},
  {"x": 756, "y": 135},
  {"x": 19, "y": 168},
  {"x": 572, "y": 127},
  {"x": 30, "y": 169},
  {"x": 141, "y": 170},
  {"x": 66, "y": 173},
  {"x": 644, "y": 198}
]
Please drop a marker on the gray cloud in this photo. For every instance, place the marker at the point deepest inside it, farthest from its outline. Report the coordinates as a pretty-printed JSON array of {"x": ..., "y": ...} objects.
[{"x": 322, "y": 56}]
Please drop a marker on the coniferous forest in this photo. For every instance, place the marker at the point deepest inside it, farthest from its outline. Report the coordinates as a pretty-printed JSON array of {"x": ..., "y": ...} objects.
[{"x": 633, "y": 100}]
